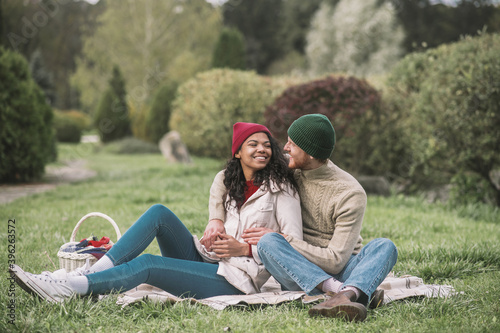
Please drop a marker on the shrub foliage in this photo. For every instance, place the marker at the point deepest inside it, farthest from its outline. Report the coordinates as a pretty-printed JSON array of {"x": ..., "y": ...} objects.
[
  {"x": 112, "y": 119},
  {"x": 158, "y": 117},
  {"x": 352, "y": 105},
  {"x": 229, "y": 51},
  {"x": 69, "y": 125},
  {"x": 207, "y": 106},
  {"x": 451, "y": 98},
  {"x": 26, "y": 135}
]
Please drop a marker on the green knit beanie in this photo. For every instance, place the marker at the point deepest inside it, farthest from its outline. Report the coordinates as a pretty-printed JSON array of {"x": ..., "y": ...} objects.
[{"x": 314, "y": 134}]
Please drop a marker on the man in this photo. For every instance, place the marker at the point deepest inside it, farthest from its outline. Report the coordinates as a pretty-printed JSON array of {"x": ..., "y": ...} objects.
[{"x": 331, "y": 257}]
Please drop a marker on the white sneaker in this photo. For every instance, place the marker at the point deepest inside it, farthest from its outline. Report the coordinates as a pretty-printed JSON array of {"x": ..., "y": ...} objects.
[
  {"x": 48, "y": 286},
  {"x": 81, "y": 271},
  {"x": 59, "y": 274},
  {"x": 62, "y": 274}
]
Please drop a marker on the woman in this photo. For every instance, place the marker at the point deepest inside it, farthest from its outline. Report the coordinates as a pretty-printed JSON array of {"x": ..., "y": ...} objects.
[{"x": 260, "y": 192}]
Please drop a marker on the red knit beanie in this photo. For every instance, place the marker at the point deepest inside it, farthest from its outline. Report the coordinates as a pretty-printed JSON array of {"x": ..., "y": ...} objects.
[{"x": 241, "y": 131}]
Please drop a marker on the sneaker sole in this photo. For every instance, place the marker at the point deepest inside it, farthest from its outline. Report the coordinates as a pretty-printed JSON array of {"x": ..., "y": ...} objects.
[
  {"x": 30, "y": 286},
  {"x": 350, "y": 312},
  {"x": 14, "y": 274}
]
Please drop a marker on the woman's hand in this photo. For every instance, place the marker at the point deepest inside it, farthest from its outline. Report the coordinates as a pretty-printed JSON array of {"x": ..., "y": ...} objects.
[
  {"x": 212, "y": 231},
  {"x": 227, "y": 246},
  {"x": 253, "y": 235}
]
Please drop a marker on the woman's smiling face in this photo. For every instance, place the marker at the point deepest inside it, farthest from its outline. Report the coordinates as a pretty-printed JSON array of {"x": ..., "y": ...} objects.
[{"x": 254, "y": 154}]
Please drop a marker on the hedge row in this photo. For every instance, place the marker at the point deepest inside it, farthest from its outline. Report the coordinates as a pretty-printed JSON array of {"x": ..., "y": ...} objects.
[
  {"x": 439, "y": 115},
  {"x": 207, "y": 106},
  {"x": 437, "y": 120},
  {"x": 448, "y": 101}
]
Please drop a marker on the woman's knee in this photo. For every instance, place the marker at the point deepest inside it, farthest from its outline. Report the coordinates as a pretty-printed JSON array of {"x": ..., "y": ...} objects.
[
  {"x": 160, "y": 214},
  {"x": 159, "y": 209}
]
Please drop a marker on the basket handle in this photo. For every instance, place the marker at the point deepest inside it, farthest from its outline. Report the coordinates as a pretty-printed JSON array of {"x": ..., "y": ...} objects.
[{"x": 104, "y": 216}]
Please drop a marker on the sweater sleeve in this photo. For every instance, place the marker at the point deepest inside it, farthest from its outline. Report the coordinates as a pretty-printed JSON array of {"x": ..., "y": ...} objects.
[
  {"x": 215, "y": 204},
  {"x": 346, "y": 239}
]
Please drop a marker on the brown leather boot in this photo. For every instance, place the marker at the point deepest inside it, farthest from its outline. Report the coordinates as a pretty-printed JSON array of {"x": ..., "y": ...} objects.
[
  {"x": 341, "y": 305},
  {"x": 377, "y": 299}
]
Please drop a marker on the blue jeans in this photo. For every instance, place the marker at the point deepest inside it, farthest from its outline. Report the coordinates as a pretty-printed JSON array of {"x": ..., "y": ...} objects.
[
  {"x": 365, "y": 270},
  {"x": 180, "y": 270}
]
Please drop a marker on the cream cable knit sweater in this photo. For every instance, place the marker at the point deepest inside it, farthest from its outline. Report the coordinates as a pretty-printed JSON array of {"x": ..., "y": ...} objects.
[{"x": 333, "y": 205}]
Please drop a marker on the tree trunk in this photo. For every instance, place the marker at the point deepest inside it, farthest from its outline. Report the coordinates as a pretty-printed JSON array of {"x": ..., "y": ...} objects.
[{"x": 496, "y": 190}]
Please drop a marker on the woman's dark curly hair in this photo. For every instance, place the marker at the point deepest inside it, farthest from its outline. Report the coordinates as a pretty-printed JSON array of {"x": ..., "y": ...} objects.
[{"x": 276, "y": 170}]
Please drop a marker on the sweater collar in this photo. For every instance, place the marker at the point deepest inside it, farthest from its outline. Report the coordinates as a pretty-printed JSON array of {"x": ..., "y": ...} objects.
[{"x": 327, "y": 170}]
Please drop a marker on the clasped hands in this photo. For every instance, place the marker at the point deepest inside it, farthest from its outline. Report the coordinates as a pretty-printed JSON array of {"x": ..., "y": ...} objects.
[{"x": 225, "y": 246}]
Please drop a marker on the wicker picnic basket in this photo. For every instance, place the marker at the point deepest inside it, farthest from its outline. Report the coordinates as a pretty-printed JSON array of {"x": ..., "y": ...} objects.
[{"x": 71, "y": 260}]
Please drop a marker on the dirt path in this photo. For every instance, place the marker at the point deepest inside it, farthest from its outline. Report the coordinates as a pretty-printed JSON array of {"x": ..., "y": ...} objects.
[{"x": 73, "y": 171}]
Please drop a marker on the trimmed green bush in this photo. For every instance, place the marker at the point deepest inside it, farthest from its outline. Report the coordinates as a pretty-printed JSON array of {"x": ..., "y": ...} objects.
[
  {"x": 158, "y": 117},
  {"x": 26, "y": 136},
  {"x": 353, "y": 107},
  {"x": 67, "y": 129},
  {"x": 69, "y": 125},
  {"x": 230, "y": 50},
  {"x": 207, "y": 106},
  {"x": 80, "y": 118},
  {"x": 450, "y": 98},
  {"x": 131, "y": 145},
  {"x": 112, "y": 118}
]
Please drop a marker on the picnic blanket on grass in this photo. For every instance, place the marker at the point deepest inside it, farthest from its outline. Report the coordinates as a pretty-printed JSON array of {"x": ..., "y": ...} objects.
[{"x": 395, "y": 288}]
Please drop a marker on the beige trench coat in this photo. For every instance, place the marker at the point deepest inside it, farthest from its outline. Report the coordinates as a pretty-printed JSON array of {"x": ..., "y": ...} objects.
[{"x": 272, "y": 208}]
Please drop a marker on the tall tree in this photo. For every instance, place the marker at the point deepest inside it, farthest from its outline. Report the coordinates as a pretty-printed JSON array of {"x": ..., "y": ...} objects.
[
  {"x": 112, "y": 118},
  {"x": 230, "y": 50},
  {"x": 150, "y": 41},
  {"x": 428, "y": 24},
  {"x": 42, "y": 76},
  {"x": 158, "y": 118},
  {"x": 55, "y": 28},
  {"x": 297, "y": 16},
  {"x": 2, "y": 23},
  {"x": 355, "y": 37},
  {"x": 261, "y": 23}
]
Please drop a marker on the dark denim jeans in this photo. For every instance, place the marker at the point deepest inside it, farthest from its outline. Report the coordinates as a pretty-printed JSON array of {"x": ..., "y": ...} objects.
[{"x": 180, "y": 270}]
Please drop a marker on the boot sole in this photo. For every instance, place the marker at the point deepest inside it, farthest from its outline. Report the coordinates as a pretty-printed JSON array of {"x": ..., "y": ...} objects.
[
  {"x": 351, "y": 312},
  {"x": 377, "y": 299}
]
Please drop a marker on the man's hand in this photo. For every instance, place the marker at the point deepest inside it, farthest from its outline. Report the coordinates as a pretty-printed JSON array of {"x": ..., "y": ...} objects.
[
  {"x": 212, "y": 231},
  {"x": 253, "y": 235},
  {"x": 227, "y": 246}
]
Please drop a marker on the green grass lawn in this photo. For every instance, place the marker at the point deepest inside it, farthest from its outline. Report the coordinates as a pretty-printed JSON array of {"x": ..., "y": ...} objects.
[{"x": 459, "y": 247}]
